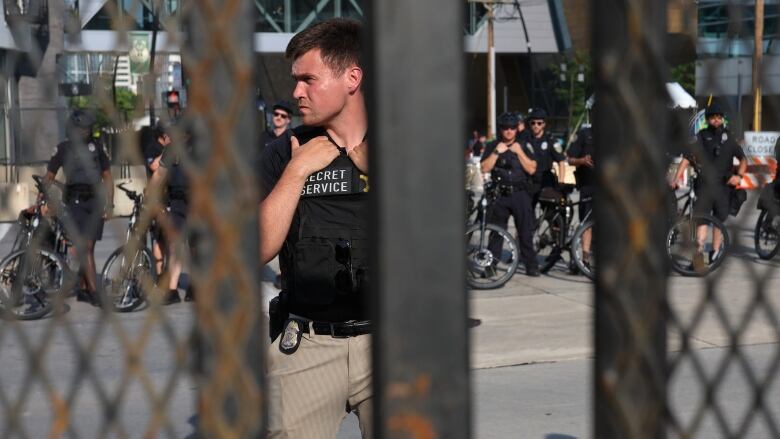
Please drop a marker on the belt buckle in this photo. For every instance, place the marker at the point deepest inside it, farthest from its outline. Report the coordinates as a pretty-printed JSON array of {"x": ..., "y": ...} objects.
[{"x": 343, "y": 325}]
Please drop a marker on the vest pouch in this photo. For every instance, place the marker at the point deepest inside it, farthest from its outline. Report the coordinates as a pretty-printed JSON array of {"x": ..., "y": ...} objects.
[{"x": 314, "y": 278}]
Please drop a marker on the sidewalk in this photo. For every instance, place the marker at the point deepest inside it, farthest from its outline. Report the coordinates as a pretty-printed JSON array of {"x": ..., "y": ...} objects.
[{"x": 549, "y": 318}]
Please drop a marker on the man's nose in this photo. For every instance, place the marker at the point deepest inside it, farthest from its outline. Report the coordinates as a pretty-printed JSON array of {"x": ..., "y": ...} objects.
[{"x": 299, "y": 90}]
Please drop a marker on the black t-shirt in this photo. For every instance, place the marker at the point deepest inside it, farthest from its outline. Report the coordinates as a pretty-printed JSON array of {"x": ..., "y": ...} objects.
[
  {"x": 268, "y": 136},
  {"x": 581, "y": 147},
  {"x": 508, "y": 169},
  {"x": 331, "y": 220},
  {"x": 82, "y": 163},
  {"x": 151, "y": 150},
  {"x": 546, "y": 150},
  {"x": 718, "y": 148}
]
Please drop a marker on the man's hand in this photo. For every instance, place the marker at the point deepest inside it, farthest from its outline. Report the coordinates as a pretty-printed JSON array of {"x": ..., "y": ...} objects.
[
  {"x": 501, "y": 147},
  {"x": 587, "y": 161},
  {"x": 359, "y": 156},
  {"x": 312, "y": 156},
  {"x": 515, "y": 148},
  {"x": 735, "y": 180}
]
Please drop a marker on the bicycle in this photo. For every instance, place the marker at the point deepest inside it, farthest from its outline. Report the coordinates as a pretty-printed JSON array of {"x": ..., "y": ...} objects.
[
  {"x": 486, "y": 270},
  {"x": 682, "y": 244},
  {"x": 131, "y": 267},
  {"x": 37, "y": 268},
  {"x": 555, "y": 233},
  {"x": 766, "y": 236}
]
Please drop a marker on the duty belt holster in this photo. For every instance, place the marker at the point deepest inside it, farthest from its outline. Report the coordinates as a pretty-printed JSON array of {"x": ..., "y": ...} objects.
[
  {"x": 79, "y": 192},
  {"x": 506, "y": 190},
  {"x": 278, "y": 313}
]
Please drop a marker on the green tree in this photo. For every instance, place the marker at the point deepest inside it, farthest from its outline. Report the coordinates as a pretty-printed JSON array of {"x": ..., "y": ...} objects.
[
  {"x": 125, "y": 104},
  {"x": 685, "y": 74},
  {"x": 574, "y": 84}
]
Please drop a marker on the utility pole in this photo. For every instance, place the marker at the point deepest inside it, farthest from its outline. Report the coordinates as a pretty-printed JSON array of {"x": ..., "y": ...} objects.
[
  {"x": 491, "y": 74},
  {"x": 757, "y": 55}
]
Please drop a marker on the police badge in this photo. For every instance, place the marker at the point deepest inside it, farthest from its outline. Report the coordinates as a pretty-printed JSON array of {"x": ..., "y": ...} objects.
[
  {"x": 724, "y": 137},
  {"x": 544, "y": 146},
  {"x": 91, "y": 147},
  {"x": 291, "y": 337}
]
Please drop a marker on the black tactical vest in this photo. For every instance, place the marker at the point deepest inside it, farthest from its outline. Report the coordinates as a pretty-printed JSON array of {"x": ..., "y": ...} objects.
[{"x": 325, "y": 256}]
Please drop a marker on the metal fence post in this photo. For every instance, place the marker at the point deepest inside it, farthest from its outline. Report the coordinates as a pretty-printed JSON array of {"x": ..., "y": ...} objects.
[
  {"x": 219, "y": 59},
  {"x": 631, "y": 134},
  {"x": 421, "y": 345}
]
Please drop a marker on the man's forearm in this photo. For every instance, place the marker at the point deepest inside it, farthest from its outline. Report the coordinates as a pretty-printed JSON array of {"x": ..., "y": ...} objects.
[
  {"x": 488, "y": 164},
  {"x": 276, "y": 213}
]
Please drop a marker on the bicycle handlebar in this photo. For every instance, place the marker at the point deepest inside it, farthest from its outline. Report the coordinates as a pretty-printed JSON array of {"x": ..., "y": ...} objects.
[{"x": 131, "y": 194}]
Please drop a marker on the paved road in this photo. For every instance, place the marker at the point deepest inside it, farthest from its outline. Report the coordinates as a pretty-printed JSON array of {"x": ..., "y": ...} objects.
[{"x": 530, "y": 354}]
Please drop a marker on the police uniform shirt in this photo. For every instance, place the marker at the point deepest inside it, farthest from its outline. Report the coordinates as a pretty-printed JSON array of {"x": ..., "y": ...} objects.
[
  {"x": 83, "y": 164},
  {"x": 582, "y": 146},
  {"x": 719, "y": 148},
  {"x": 176, "y": 177},
  {"x": 332, "y": 213},
  {"x": 508, "y": 168},
  {"x": 546, "y": 150},
  {"x": 268, "y": 136}
]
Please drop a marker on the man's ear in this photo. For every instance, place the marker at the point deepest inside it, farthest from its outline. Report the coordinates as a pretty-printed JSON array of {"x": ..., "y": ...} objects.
[{"x": 354, "y": 76}]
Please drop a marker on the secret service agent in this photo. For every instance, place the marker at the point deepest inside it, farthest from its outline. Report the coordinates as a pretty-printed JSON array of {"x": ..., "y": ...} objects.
[{"x": 511, "y": 167}]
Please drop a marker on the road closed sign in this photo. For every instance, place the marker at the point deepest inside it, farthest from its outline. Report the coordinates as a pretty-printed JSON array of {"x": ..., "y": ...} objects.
[{"x": 760, "y": 143}]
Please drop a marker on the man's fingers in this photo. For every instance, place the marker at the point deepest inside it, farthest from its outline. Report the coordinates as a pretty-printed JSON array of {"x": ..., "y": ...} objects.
[{"x": 294, "y": 143}]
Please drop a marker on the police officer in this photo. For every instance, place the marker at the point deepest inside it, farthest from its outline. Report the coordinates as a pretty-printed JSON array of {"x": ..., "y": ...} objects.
[
  {"x": 152, "y": 149},
  {"x": 712, "y": 156},
  {"x": 314, "y": 215},
  {"x": 511, "y": 167},
  {"x": 580, "y": 155},
  {"x": 280, "y": 123},
  {"x": 546, "y": 151},
  {"x": 172, "y": 175},
  {"x": 89, "y": 194}
]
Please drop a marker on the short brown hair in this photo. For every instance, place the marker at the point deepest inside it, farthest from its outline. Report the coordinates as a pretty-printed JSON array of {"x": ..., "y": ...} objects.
[{"x": 338, "y": 40}]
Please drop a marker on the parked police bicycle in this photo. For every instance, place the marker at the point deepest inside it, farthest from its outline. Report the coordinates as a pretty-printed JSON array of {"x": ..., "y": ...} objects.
[
  {"x": 712, "y": 157},
  {"x": 89, "y": 194},
  {"x": 512, "y": 166},
  {"x": 546, "y": 151}
]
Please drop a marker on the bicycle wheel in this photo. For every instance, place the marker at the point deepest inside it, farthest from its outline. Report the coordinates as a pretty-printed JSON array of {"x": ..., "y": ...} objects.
[
  {"x": 26, "y": 281},
  {"x": 548, "y": 240},
  {"x": 766, "y": 236},
  {"x": 585, "y": 260},
  {"x": 124, "y": 277},
  {"x": 486, "y": 270},
  {"x": 682, "y": 247}
]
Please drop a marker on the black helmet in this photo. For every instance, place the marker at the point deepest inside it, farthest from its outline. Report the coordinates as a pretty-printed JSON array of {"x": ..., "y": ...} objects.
[
  {"x": 507, "y": 120},
  {"x": 537, "y": 113},
  {"x": 713, "y": 109},
  {"x": 81, "y": 119}
]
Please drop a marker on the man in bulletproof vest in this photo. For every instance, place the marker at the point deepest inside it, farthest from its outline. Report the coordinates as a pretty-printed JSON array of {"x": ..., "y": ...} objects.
[
  {"x": 511, "y": 167},
  {"x": 172, "y": 176},
  {"x": 314, "y": 215},
  {"x": 546, "y": 150},
  {"x": 89, "y": 195},
  {"x": 712, "y": 156},
  {"x": 280, "y": 123},
  {"x": 580, "y": 155}
]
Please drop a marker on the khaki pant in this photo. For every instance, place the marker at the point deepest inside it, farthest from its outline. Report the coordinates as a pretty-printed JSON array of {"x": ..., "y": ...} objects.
[{"x": 310, "y": 390}]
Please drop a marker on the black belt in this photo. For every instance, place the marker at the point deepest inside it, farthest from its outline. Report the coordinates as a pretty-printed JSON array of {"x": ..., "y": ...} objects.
[{"x": 351, "y": 328}]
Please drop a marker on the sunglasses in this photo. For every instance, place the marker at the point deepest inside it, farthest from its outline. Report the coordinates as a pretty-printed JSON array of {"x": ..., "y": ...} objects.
[
  {"x": 282, "y": 115},
  {"x": 536, "y": 122},
  {"x": 509, "y": 128}
]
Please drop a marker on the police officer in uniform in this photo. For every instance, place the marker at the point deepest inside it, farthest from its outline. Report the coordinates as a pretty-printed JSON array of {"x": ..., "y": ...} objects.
[
  {"x": 89, "y": 194},
  {"x": 580, "y": 155},
  {"x": 712, "y": 156},
  {"x": 280, "y": 123},
  {"x": 314, "y": 215},
  {"x": 511, "y": 167},
  {"x": 152, "y": 149},
  {"x": 546, "y": 151},
  {"x": 172, "y": 175}
]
